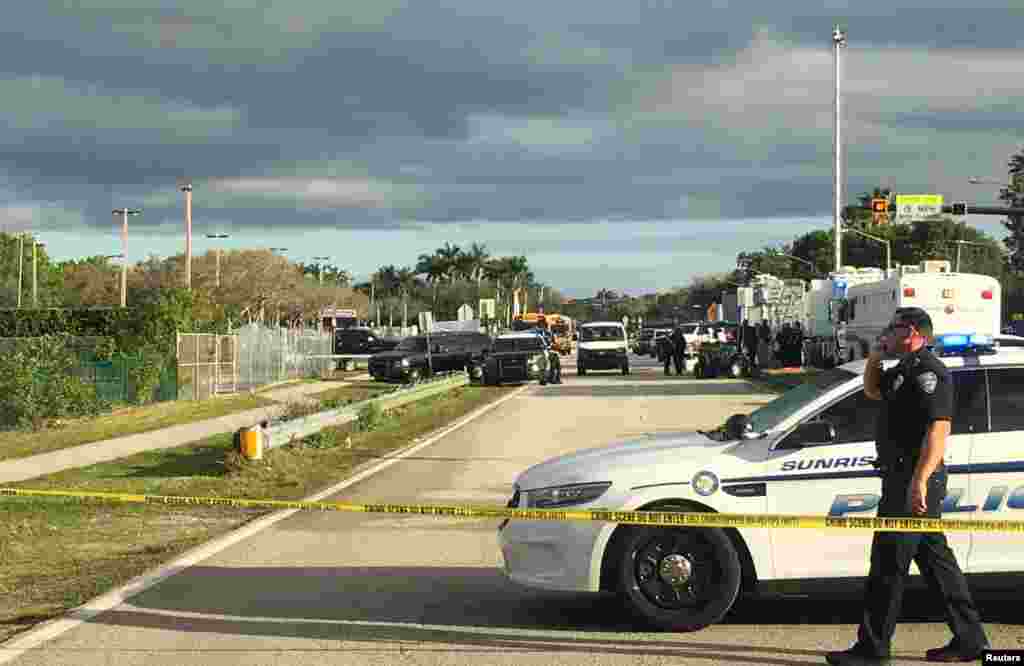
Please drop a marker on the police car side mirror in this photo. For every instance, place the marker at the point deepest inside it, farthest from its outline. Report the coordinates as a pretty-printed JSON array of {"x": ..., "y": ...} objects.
[{"x": 811, "y": 434}]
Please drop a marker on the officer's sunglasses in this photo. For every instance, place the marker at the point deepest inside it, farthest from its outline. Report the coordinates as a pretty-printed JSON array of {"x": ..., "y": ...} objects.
[{"x": 902, "y": 330}]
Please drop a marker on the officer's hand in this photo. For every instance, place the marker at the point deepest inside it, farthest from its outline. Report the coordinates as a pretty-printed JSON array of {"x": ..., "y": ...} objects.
[{"x": 918, "y": 498}]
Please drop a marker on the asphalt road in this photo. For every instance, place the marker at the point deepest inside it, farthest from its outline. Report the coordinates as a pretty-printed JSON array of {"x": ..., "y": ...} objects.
[{"x": 355, "y": 589}]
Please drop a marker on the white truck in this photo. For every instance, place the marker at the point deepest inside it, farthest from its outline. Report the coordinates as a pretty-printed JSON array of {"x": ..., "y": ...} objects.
[{"x": 848, "y": 312}]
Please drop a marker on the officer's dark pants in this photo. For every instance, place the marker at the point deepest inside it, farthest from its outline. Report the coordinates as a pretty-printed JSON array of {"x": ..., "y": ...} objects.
[
  {"x": 891, "y": 553},
  {"x": 677, "y": 359}
]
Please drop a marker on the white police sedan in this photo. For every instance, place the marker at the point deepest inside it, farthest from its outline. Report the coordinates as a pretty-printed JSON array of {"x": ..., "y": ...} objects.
[{"x": 810, "y": 451}]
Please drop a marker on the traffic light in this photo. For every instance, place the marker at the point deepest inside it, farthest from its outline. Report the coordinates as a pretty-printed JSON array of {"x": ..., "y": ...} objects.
[
  {"x": 960, "y": 208},
  {"x": 879, "y": 211}
]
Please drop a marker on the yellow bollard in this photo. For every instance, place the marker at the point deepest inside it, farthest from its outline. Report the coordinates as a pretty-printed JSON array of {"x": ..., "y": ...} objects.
[{"x": 252, "y": 443}]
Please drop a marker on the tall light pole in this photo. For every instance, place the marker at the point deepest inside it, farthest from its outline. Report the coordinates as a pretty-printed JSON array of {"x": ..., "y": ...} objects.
[
  {"x": 218, "y": 236},
  {"x": 838, "y": 42},
  {"x": 35, "y": 283},
  {"x": 888, "y": 245},
  {"x": 960, "y": 244},
  {"x": 124, "y": 213},
  {"x": 21, "y": 264},
  {"x": 187, "y": 189},
  {"x": 320, "y": 268}
]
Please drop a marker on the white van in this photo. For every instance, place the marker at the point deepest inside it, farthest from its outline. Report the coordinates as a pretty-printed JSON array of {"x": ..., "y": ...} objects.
[{"x": 603, "y": 345}]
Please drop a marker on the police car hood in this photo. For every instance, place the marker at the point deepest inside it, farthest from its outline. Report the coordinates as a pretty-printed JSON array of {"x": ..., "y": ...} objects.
[{"x": 639, "y": 461}]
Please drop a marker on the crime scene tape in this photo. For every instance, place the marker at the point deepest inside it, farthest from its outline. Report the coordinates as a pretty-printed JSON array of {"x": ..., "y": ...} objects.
[{"x": 664, "y": 518}]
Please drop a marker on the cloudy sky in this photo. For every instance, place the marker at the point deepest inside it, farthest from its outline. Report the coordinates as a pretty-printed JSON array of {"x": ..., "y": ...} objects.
[{"x": 627, "y": 145}]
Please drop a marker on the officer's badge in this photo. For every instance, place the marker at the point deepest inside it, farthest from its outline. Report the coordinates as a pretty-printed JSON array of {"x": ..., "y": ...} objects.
[
  {"x": 897, "y": 383},
  {"x": 927, "y": 381}
]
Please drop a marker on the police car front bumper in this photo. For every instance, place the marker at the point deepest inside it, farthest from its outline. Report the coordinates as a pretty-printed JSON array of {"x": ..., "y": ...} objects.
[{"x": 551, "y": 555}]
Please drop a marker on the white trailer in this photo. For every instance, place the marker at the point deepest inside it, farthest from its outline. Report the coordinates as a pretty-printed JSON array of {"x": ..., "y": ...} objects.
[
  {"x": 957, "y": 303},
  {"x": 823, "y": 305}
]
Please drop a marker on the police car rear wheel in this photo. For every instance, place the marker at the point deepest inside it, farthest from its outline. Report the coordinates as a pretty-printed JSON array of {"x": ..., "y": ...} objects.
[{"x": 679, "y": 579}]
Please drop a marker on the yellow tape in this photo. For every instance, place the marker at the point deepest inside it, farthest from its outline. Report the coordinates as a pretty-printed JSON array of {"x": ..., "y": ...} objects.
[{"x": 667, "y": 518}]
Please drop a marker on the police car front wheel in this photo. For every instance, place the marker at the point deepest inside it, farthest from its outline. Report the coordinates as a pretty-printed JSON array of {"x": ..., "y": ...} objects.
[{"x": 679, "y": 579}]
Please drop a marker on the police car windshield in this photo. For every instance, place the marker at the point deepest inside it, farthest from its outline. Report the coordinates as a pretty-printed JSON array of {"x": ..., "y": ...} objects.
[
  {"x": 518, "y": 344},
  {"x": 775, "y": 412}
]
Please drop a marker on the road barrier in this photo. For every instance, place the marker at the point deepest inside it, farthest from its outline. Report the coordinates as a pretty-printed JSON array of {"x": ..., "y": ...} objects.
[
  {"x": 254, "y": 441},
  {"x": 656, "y": 518}
]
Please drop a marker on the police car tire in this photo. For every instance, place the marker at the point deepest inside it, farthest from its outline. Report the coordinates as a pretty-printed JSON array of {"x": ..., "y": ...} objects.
[{"x": 726, "y": 591}]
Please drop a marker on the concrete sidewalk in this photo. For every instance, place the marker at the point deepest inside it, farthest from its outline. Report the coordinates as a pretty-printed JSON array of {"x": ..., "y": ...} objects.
[{"x": 31, "y": 467}]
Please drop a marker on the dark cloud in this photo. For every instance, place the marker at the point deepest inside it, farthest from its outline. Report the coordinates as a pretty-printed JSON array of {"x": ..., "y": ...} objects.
[{"x": 545, "y": 112}]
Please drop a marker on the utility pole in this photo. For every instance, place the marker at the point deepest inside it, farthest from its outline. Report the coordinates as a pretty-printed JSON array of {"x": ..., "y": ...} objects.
[
  {"x": 320, "y": 268},
  {"x": 124, "y": 213},
  {"x": 21, "y": 264},
  {"x": 218, "y": 236},
  {"x": 838, "y": 42},
  {"x": 187, "y": 189},
  {"x": 35, "y": 283}
]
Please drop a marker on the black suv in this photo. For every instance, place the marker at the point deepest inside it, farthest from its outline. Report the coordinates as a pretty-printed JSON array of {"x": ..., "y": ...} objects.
[
  {"x": 361, "y": 341},
  {"x": 519, "y": 357},
  {"x": 449, "y": 352}
]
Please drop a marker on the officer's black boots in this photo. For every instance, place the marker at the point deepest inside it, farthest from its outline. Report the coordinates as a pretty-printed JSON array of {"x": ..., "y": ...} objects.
[
  {"x": 954, "y": 652},
  {"x": 855, "y": 656}
]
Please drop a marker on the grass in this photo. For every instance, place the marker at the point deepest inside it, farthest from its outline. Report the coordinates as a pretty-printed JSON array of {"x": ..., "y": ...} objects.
[
  {"x": 354, "y": 392},
  {"x": 129, "y": 421},
  {"x": 58, "y": 554}
]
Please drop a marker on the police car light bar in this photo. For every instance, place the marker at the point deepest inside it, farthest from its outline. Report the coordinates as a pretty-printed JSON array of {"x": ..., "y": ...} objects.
[{"x": 951, "y": 344}]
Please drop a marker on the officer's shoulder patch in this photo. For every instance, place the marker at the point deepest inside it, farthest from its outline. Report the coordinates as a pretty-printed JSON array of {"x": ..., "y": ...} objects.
[{"x": 927, "y": 381}]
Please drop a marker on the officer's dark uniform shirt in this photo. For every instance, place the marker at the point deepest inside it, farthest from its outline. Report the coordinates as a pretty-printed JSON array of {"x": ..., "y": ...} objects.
[{"x": 915, "y": 392}]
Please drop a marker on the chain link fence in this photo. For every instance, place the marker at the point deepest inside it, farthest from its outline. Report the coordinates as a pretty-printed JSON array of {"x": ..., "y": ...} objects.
[
  {"x": 207, "y": 365},
  {"x": 270, "y": 355}
]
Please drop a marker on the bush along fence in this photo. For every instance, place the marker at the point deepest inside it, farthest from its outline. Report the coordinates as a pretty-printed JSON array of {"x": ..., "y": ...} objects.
[{"x": 252, "y": 442}]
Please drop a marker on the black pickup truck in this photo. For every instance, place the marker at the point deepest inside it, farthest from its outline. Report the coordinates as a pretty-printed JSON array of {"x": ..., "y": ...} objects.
[
  {"x": 361, "y": 341},
  {"x": 519, "y": 357},
  {"x": 449, "y": 352}
]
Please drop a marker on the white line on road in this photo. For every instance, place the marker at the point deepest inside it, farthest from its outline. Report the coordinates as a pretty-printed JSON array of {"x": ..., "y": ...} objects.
[{"x": 48, "y": 631}]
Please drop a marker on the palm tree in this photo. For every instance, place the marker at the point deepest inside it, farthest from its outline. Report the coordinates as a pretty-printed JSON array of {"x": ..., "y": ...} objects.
[
  {"x": 475, "y": 262},
  {"x": 387, "y": 284},
  {"x": 406, "y": 281},
  {"x": 496, "y": 270},
  {"x": 518, "y": 272},
  {"x": 431, "y": 266}
]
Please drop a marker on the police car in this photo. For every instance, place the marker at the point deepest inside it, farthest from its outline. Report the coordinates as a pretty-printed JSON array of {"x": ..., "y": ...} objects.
[{"x": 810, "y": 451}]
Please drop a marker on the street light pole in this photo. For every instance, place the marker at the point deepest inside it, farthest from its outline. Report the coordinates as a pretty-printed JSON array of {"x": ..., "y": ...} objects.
[
  {"x": 838, "y": 42},
  {"x": 218, "y": 236},
  {"x": 320, "y": 268},
  {"x": 35, "y": 284},
  {"x": 124, "y": 213},
  {"x": 959, "y": 245},
  {"x": 21, "y": 264},
  {"x": 187, "y": 189}
]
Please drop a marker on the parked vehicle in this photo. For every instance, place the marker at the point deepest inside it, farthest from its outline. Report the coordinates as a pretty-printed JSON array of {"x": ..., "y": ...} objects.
[
  {"x": 721, "y": 358},
  {"x": 411, "y": 361},
  {"x": 603, "y": 346},
  {"x": 357, "y": 341},
  {"x": 517, "y": 357}
]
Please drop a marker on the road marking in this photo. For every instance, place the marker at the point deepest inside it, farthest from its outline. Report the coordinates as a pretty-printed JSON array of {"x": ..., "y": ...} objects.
[{"x": 51, "y": 629}]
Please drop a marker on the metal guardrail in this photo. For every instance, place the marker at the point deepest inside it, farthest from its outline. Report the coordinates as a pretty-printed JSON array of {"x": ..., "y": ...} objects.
[{"x": 278, "y": 434}]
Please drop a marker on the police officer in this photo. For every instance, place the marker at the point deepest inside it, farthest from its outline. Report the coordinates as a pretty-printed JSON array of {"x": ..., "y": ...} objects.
[
  {"x": 554, "y": 362},
  {"x": 913, "y": 425},
  {"x": 674, "y": 346}
]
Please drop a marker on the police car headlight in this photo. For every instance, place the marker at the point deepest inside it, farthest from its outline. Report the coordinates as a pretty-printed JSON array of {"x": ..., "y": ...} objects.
[
  {"x": 547, "y": 498},
  {"x": 705, "y": 483},
  {"x": 404, "y": 363}
]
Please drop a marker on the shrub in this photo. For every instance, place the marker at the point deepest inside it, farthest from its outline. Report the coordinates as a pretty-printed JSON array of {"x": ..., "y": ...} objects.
[
  {"x": 37, "y": 384},
  {"x": 368, "y": 417}
]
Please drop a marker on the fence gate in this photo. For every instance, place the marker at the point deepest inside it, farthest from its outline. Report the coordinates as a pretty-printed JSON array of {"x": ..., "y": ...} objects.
[{"x": 207, "y": 365}]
